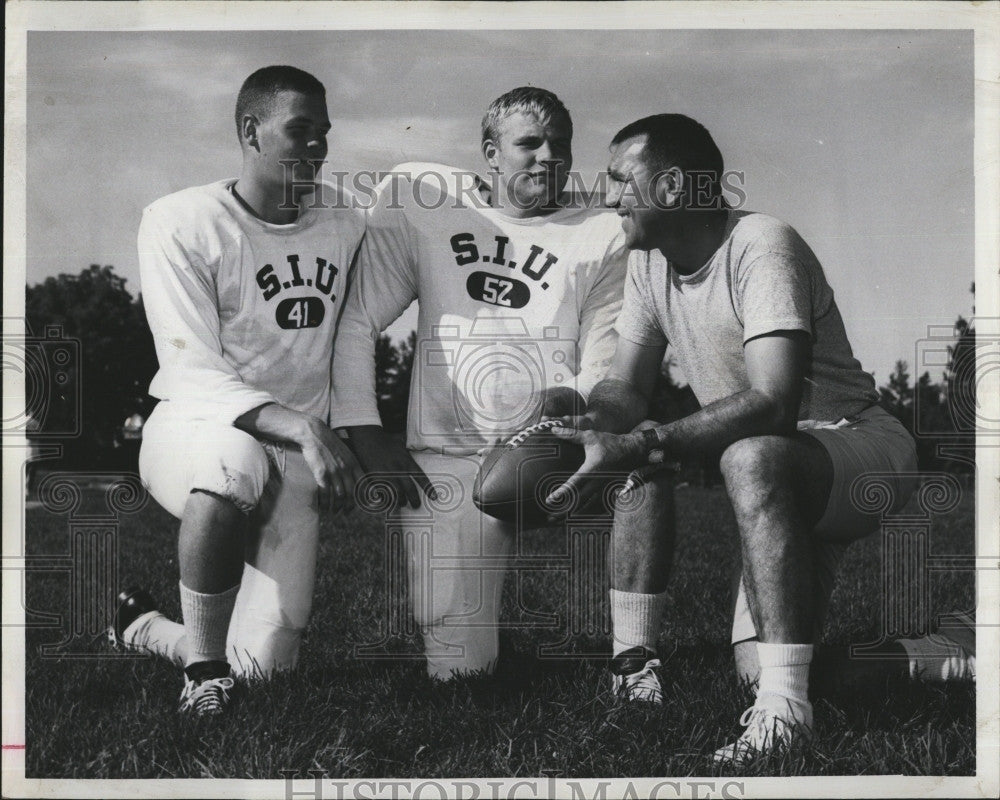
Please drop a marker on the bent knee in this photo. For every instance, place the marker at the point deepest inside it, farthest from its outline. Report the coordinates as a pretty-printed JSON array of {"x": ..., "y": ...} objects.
[
  {"x": 755, "y": 455},
  {"x": 260, "y": 649},
  {"x": 218, "y": 459},
  {"x": 236, "y": 469}
]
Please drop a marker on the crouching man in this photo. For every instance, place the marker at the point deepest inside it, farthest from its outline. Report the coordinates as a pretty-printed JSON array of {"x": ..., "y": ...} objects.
[
  {"x": 753, "y": 324},
  {"x": 242, "y": 281}
]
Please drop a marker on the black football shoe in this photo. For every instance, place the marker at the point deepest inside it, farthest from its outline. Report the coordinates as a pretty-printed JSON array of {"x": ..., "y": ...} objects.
[
  {"x": 208, "y": 688},
  {"x": 634, "y": 678},
  {"x": 132, "y": 604}
]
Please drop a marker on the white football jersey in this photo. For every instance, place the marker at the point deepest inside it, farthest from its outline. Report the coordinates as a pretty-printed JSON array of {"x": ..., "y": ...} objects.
[
  {"x": 507, "y": 307},
  {"x": 243, "y": 312}
]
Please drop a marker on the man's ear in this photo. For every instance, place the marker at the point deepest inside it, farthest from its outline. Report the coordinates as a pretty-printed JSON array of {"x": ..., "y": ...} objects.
[
  {"x": 248, "y": 127},
  {"x": 490, "y": 153},
  {"x": 668, "y": 188}
]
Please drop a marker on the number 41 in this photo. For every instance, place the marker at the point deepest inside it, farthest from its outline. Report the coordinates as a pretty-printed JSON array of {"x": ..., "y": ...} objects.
[{"x": 299, "y": 314}]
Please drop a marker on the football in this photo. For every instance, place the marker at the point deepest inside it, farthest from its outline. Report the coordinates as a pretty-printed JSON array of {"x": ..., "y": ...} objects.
[{"x": 516, "y": 476}]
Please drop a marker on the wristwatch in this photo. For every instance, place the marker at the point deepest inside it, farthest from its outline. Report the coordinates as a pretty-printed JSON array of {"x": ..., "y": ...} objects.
[{"x": 654, "y": 449}]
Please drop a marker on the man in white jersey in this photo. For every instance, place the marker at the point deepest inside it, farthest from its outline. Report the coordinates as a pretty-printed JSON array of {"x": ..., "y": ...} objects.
[
  {"x": 752, "y": 321},
  {"x": 243, "y": 280},
  {"x": 518, "y": 293}
]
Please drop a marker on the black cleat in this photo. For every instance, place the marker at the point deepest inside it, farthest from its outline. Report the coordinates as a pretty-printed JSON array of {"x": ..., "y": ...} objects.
[
  {"x": 634, "y": 676},
  {"x": 207, "y": 688},
  {"x": 132, "y": 604}
]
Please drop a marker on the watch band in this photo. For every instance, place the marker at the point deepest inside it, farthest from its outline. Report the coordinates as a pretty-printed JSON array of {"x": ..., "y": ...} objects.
[{"x": 651, "y": 441}]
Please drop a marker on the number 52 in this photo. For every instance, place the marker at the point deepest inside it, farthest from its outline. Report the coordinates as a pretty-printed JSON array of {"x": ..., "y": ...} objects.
[{"x": 495, "y": 290}]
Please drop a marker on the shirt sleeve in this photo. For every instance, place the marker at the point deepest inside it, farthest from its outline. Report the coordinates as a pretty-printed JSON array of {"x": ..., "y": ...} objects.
[
  {"x": 382, "y": 286},
  {"x": 601, "y": 308},
  {"x": 182, "y": 310},
  {"x": 638, "y": 322},
  {"x": 774, "y": 293}
]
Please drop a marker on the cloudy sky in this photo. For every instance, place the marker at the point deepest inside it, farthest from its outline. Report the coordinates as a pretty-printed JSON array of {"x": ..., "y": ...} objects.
[{"x": 862, "y": 140}]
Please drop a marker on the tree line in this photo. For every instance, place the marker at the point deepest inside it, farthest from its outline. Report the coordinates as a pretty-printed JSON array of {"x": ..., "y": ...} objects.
[{"x": 82, "y": 403}]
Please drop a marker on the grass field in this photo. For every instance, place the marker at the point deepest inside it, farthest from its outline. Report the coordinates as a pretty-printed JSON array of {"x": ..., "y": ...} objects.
[{"x": 114, "y": 717}]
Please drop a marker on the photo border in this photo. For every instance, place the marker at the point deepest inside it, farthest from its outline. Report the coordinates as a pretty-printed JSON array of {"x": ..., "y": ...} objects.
[{"x": 154, "y": 15}]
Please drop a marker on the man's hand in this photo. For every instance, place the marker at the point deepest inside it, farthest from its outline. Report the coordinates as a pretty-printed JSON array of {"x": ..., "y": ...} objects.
[
  {"x": 381, "y": 454},
  {"x": 333, "y": 466},
  {"x": 604, "y": 452}
]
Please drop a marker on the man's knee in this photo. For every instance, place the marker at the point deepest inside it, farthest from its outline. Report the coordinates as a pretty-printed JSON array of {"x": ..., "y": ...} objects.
[
  {"x": 458, "y": 620},
  {"x": 755, "y": 459},
  {"x": 236, "y": 468},
  {"x": 458, "y": 617},
  {"x": 259, "y": 647},
  {"x": 266, "y": 628},
  {"x": 221, "y": 461},
  {"x": 454, "y": 650},
  {"x": 755, "y": 469}
]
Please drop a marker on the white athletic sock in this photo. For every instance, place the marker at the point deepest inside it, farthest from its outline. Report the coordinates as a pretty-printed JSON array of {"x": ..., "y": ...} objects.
[
  {"x": 156, "y": 634},
  {"x": 635, "y": 619},
  {"x": 937, "y": 658},
  {"x": 784, "y": 671},
  {"x": 206, "y": 622}
]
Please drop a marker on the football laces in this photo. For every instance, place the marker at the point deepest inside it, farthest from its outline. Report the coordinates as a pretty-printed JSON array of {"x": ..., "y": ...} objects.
[{"x": 519, "y": 438}]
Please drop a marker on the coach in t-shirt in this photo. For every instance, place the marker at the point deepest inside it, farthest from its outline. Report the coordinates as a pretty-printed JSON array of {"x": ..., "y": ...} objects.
[{"x": 753, "y": 324}]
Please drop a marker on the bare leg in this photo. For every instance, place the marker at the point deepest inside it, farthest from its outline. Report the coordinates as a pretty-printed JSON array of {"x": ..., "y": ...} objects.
[
  {"x": 747, "y": 662},
  {"x": 779, "y": 488},
  {"x": 641, "y": 550},
  {"x": 642, "y": 540},
  {"x": 210, "y": 551},
  {"x": 210, "y": 545}
]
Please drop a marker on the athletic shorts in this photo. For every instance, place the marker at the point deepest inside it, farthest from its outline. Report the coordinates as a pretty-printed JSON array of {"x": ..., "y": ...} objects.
[{"x": 874, "y": 444}]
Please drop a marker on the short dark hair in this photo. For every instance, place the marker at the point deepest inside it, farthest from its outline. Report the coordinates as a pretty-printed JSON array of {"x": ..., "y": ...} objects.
[
  {"x": 540, "y": 102},
  {"x": 258, "y": 91},
  {"x": 674, "y": 140}
]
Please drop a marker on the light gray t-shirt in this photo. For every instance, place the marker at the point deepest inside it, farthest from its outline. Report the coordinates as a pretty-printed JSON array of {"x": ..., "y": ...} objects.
[{"x": 763, "y": 278}]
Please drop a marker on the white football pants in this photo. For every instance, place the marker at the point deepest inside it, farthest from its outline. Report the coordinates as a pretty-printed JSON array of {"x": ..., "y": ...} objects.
[
  {"x": 274, "y": 486},
  {"x": 457, "y": 560}
]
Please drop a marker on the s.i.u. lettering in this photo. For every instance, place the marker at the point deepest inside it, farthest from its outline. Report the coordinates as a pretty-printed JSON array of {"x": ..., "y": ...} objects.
[
  {"x": 271, "y": 284},
  {"x": 299, "y": 311},
  {"x": 501, "y": 290}
]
